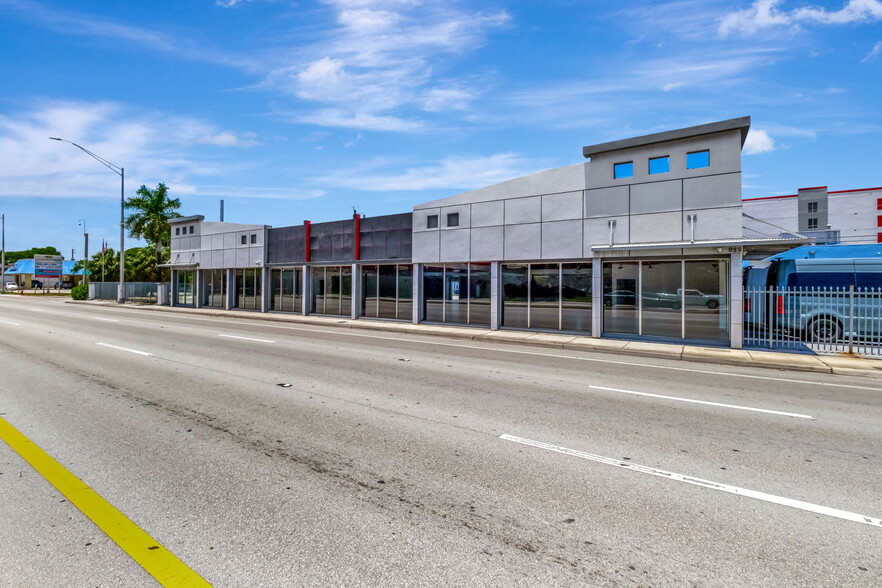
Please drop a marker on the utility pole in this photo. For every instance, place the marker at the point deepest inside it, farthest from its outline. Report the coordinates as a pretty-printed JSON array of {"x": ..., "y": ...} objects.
[
  {"x": 3, "y": 262},
  {"x": 85, "y": 252}
]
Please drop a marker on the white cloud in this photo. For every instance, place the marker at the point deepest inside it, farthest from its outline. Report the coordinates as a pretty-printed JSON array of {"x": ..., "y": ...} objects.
[
  {"x": 360, "y": 120},
  {"x": 874, "y": 52},
  {"x": 451, "y": 172},
  {"x": 382, "y": 59},
  {"x": 764, "y": 14},
  {"x": 228, "y": 139},
  {"x": 70, "y": 22},
  {"x": 151, "y": 147},
  {"x": 758, "y": 141}
]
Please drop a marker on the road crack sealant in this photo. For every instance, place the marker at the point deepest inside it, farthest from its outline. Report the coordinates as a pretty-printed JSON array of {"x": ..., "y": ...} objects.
[{"x": 394, "y": 495}]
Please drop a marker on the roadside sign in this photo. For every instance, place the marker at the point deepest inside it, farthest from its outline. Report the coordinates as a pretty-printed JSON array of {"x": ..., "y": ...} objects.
[{"x": 48, "y": 266}]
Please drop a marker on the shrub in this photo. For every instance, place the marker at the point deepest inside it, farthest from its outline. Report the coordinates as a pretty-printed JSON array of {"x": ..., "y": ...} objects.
[{"x": 80, "y": 292}]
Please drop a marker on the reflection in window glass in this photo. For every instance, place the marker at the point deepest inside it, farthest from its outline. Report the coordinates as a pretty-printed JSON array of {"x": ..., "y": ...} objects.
[
  {"x": 405, "y": 292},
  {"x": 318, "y": 290},
  {"x": 544, "y": 296},
  {"x": 661, "y": 298},
  {"x": 620, "y": 297},
  {"x": 345, "y": 308},
  {"x": 707, "y": 300},
  {"x": 479, "y": 294},
  {"x": 698, "y": 159},
  {"x": 433, "y": 283},
  {"x": 514, "y": 295},
  {"x": 576, "y": 295},
  {"x": 456, "y": 293},
  {"x": 623, "y": 170},
  {"x": 387, "y": 292},
  {"x": 659, "y": 165},
  {"x": 369, "y": 289}
]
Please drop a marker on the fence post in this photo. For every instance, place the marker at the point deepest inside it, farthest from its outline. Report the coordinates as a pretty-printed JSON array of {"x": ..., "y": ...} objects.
[
  {"x": 770, "y": 315},
  {"x": 851, "y": 319}
]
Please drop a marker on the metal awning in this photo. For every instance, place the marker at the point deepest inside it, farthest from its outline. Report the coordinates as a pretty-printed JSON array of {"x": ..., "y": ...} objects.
[{"x": 780, "y": 244}]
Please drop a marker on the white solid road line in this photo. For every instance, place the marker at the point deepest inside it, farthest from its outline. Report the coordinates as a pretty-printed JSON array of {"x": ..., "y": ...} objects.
[
  {"x": 736, "y": 406},
  {"x": 247, "y": 338},
  {"x": 117, "y": 347},
  {"x": 99, "y": 318},
  {"x": 11, "y": 323},
  {"x": 807, "y": 506},
  {"x": 344, "y": 332}
]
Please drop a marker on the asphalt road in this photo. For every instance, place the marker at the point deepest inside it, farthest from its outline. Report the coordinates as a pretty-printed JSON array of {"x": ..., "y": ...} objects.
[{"x": 395, "y": 460}]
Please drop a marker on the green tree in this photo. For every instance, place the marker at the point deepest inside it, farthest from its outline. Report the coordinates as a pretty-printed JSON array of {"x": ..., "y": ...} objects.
[
  {"x": 13, "y": 256},
  {"x": 153, "y": 209},
  {"x": 140, "y": 265}
]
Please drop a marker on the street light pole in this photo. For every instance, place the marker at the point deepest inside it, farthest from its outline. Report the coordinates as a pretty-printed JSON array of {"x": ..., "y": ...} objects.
[
  {"x": 121, "y": 172},
  {"x": 3, "y": 261},
  {"x": 85, "y": 252}
]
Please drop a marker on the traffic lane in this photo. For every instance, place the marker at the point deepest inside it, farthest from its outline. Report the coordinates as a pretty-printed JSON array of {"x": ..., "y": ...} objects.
[
  {"x": 745, "y": 443},
  {"x": 45, "y": 541},
  {"x": 242, "y": 508},
  {"x": 796, "y": 389},
  {"x": 531, "y": 501},
  {"x": 706, "y": 453}
]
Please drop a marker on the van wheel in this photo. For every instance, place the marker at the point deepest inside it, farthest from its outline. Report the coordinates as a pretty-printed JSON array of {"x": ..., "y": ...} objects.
[
  {"x": 713, "y": 304},
  {"x": 823, "y": 329}
]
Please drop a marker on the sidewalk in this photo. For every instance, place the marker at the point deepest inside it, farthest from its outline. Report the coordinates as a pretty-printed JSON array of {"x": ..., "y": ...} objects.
[{"x": 829, "y": 364}]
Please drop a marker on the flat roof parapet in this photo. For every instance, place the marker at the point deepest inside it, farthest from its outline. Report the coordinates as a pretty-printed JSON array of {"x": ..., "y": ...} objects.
[{"x": 742, "y": 123}]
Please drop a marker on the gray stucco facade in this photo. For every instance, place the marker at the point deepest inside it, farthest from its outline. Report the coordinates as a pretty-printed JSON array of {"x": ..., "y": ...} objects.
[{"x": 621, "y": 245}]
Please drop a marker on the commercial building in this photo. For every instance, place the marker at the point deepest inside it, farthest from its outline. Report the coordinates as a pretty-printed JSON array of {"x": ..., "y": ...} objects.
[
  {"x": 645, "y": 240},
  {"x": 22, "y": 273},
  {"x": 852, "y": 217}
]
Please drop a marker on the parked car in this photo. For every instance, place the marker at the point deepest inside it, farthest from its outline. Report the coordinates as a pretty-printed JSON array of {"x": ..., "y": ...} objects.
[
  {"x": 37, "y": 284},
  {"x": 620, "y": 298},
  {"x": 10, "y": 285}
]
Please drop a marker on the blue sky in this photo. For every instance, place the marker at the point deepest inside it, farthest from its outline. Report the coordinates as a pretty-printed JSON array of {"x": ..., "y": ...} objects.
[{"x": 302, "y": 110}]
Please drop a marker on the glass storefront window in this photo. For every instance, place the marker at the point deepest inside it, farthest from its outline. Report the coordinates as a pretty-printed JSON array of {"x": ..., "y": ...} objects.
[
  {"x": 515, "y": 289},
  {"x": 660, "y": 298},
  {"x": 318, "y": 289},
  {"x": 332, "y": 290},
  {"x": 576, "y": 302},
  {"x": 433, "y": 298},
  {"x": 185, "y": 287},
  {"x": 479, "y": 294},
  {"x": 620, "y": 287},
  {"x": 685, "y": 299},
  {"x": 286, "y": 290},
  {"x": 706, "y": 297},
  {"x": 387, "y": 292},
  {"x": 369, "y": 290},
  {"x": 544, "y": 296},
  {"x": 456, "y": 293},
  {"x": 215, "y": 288},
  {"x": 405, "y": 292}
]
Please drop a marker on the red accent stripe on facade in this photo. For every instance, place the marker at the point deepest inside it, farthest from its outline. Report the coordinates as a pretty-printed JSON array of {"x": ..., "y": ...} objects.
[
  {"x": 833, "y": 192},
  {"x": 770, "y": 197},
  {"x": 357, "y": 250},
  {"x": 879, "y": 221},
  {"x": 855, "y": 190},
  {"x": 878, "y": 203},
  {"x": 306, "y": 241},
  {"x": 815, "y": 188}
]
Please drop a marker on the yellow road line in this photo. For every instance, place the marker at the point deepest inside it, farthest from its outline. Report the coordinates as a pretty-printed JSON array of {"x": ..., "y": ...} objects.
[{"x": 150, "y": 555}]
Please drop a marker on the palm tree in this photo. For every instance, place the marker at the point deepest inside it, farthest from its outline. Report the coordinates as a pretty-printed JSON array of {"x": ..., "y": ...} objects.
[{"x": 150, "y": 221}]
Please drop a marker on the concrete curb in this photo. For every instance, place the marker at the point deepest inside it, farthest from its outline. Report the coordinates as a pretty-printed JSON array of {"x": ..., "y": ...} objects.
[{"x": 834, "y": 364}]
